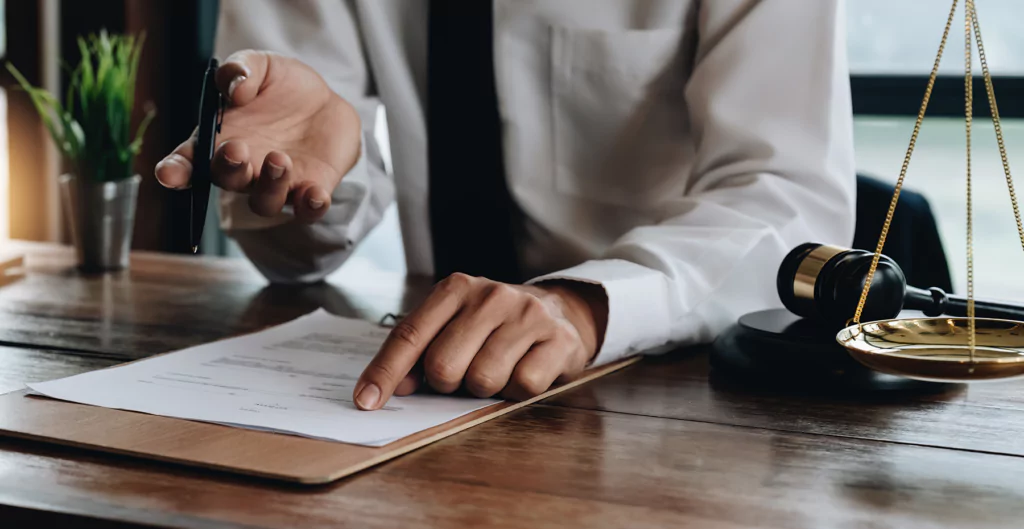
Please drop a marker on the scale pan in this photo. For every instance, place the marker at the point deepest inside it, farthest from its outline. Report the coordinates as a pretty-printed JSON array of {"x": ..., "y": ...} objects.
[{"x": 936, "y": 349}]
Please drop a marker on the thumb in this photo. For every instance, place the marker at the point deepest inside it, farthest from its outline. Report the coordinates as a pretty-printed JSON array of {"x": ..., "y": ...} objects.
[
  {"x": 175, "y": 170},
  {"x": 242, "y": 75}
]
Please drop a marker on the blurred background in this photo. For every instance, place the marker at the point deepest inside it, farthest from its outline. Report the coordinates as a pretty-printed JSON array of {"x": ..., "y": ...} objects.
[{"x": 892, "y": 45}]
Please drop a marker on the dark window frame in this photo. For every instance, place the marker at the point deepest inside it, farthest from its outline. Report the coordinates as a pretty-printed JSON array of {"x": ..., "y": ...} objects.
[{"x": 901, "y": 95}]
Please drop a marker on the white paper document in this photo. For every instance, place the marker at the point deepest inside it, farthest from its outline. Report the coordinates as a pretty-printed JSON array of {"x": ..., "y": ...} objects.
[{"x": 296, "y": 378}]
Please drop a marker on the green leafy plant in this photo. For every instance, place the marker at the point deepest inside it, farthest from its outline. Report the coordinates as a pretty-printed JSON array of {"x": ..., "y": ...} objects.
[{"x": 92, "y": 128}]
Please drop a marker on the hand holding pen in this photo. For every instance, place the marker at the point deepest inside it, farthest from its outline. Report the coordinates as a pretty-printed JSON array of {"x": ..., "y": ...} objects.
[{"x": 286, "y": 139}]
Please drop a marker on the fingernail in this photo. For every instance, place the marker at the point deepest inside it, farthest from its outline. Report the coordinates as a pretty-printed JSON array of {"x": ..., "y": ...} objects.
[
  {"x": 368, "y": 397},
  {"x": 316, "y": 203},
  {"x": 176, "y": 159},
  {"x": 231, "y": 161},
  {"x": 275, "y": 171},
  {"x": 234, "y": 84}
]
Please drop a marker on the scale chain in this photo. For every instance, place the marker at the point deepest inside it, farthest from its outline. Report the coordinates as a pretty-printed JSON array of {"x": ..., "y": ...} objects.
[
  {"x": 906, "y": 164},
  {"x": 996, "y": 122},
  {"x": 971, "y": 24},
  {"x": 968, "y": 118}
]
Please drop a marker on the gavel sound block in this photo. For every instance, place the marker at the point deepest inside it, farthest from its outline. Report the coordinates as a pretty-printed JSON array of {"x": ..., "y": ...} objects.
[{"x": 820, "y": 287}]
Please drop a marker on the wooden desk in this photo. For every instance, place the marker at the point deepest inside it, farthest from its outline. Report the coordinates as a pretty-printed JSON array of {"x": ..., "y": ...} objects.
[{"x": 660, "y": 444}]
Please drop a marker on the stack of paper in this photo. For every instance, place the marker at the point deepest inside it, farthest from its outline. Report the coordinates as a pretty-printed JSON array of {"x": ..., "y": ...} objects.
[{"x": 296, "y": 378}]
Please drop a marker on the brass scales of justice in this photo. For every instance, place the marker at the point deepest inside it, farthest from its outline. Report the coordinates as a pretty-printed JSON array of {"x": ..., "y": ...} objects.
[{"x": 944, "y": 349}]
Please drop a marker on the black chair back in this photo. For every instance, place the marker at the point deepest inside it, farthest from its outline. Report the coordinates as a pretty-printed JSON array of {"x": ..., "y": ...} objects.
[{"x": 913, "y": 240}]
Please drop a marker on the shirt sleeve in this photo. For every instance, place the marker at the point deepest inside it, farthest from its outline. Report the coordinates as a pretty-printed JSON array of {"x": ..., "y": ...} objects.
[
  {"x": 324, "y": 35},
  {"x": 769, "y": 103}
]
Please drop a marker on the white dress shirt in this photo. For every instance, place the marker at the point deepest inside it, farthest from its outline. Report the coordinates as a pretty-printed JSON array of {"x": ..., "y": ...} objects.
[{"x": 671, "y": 151}]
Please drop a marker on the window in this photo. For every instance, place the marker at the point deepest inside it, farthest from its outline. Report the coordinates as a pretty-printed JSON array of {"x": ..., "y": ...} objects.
[
  {"x": 892, "y": 45},
  {"x": 901, "y": 37}
]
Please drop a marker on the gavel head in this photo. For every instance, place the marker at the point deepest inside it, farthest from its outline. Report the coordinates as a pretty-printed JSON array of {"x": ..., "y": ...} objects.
[{"x": 825, "y": 283}]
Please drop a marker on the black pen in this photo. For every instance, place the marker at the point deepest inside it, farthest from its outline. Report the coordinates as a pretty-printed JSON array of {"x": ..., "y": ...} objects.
[{"x": 210, "y": 113}]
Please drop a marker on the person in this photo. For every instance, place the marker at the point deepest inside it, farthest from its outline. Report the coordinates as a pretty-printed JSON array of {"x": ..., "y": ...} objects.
[{"x": 592, "y": 178}]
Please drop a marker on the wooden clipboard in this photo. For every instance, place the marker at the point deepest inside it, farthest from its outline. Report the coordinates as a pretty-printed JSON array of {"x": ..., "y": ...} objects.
[{"x": 237, "y": 450}]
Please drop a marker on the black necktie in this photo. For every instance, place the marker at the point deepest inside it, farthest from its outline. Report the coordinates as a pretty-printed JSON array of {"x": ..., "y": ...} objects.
[{"x": 471, "y": 212}]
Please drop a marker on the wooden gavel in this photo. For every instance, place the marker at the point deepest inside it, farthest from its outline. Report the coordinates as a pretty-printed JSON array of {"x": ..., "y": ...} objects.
[{"x": 825, "y": 282}]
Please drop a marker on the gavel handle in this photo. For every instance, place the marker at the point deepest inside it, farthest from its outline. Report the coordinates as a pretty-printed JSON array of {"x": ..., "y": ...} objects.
[{"x": 934, "y": 302}]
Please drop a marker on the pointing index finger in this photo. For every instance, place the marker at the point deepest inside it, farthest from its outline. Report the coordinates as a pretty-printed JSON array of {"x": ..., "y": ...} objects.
[{"x": 407, "y": 342}]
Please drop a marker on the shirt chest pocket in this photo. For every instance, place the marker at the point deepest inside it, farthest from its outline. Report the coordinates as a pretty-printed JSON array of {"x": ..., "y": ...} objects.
[{"x": 603, "y": 83}]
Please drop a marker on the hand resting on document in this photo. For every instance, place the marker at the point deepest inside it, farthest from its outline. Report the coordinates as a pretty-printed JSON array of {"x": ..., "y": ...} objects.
[{"x": 489, "y": 338}]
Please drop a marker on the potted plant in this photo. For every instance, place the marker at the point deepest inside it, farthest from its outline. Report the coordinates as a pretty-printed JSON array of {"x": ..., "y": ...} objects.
[{"x": 92, "y": 129}]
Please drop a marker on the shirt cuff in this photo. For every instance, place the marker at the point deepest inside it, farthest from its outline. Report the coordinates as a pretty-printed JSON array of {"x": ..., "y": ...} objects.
[{"x": 638, "y": 305}]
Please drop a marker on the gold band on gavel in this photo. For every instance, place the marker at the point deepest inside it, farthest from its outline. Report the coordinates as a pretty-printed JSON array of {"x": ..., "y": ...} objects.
[{"x": 807, "y": 272}]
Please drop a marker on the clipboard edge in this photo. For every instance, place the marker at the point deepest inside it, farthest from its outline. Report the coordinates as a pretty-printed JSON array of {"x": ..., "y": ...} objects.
[
  {"x": 443, "y": 430},
  {"x": 508, "y": 407}
]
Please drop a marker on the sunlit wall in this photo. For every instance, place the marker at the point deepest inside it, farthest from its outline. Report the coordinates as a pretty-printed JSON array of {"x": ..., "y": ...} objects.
[{"x": 5, "y": 184}]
